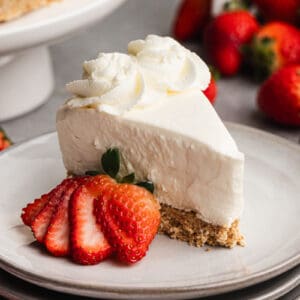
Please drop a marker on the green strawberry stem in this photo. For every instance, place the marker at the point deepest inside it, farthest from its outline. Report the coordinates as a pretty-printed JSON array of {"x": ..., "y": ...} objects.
[
  {"x": 148, "y": 185},
  {"x": 261, "y": 57},
  {"x": 128, "y": 178},
  {"x": 215, "y": 73},
  {"x": 111, "y": 162},
  {"x": 5, "y": 135},
  {"x": 233, "y": 5},
  {"x": 92, "y": 173}
]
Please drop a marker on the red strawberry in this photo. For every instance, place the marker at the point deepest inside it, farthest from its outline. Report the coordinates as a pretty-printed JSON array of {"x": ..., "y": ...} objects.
[
  {"x": 211, "y": 91},
  {"x": 279, "y": 96},
  {"x": 129, "y": 217},
  {"x": 191, "y": 18},
  {"x": 88, "y": 244},
  {"x": 279, "y": 10},
  {"x": 224, "y": 37},
  {"x": 40, "y": 224},
  {"x": 57, "y": 237},
  {"x": 68, "y": 219},
  {"x": 275, "y": 45},
  {"x": 4, "y": 140},
  {"x": 33, "y": 209}
]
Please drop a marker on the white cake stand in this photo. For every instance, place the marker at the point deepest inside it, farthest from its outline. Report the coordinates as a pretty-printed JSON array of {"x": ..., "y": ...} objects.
[{"x": 26, "y": 78}]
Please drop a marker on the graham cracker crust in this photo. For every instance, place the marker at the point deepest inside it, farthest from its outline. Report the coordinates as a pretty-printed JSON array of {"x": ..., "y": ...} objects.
[
  {"x": 187, "y": 227},
  {"x": 11, "y": 9}
]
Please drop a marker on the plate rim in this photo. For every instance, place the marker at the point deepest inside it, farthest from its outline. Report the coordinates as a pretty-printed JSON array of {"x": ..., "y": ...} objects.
[
  {"x": 290, "y": 281},
  {"x": 190, "y": 290}
]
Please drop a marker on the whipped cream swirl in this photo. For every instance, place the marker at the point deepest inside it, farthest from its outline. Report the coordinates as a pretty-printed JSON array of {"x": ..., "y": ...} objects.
[
  {"x": 111, "y": 83},
  {"x": 168, "y": 66},
  {"x": 155, "y": 68}
]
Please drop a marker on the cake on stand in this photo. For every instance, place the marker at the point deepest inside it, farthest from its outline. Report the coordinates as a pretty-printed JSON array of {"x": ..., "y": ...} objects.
[{"x": 26, "y": 77}]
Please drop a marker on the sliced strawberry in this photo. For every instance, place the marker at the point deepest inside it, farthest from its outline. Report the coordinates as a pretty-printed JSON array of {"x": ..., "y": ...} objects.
[
  {"x": 88, "y": 244},
  {"x": 33, "y": 209},
  {"x": 129, "y": 216},
  {"x": 40, "y": 224},
  {"x": 57, "y": 237}
]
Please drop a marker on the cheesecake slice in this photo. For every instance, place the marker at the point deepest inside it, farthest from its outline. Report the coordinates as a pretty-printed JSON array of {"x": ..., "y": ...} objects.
[
  {"x": 11, "y": 9},
  {"x": 149, "y": 104}
]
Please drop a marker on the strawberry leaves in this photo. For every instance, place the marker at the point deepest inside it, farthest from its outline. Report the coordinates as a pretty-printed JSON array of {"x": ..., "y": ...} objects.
[
  {"x": 235, "y": 5},
  {"x": 148, "y": 185},
  {"x": 128, "y": 178},
  {"x": 111, "y": 162},
  {"x": 92, "y": 173}
]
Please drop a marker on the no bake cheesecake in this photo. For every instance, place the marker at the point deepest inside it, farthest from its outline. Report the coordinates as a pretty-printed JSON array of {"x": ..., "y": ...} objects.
[
  {"x": 149, "y": 104},
  {"x": 11, "y": 9}
]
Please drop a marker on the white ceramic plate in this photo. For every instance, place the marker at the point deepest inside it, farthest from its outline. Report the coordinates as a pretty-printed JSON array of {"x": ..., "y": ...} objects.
[
  {"x": 284, "y": 284},
  {"x": 171, "y": 268},
  {"x": 52, "y": 22}
]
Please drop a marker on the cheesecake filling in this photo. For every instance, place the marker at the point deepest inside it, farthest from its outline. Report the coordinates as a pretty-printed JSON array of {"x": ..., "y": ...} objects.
[
  {"x": 149, "y": 104},
  {"x": 189, "y": 172}
]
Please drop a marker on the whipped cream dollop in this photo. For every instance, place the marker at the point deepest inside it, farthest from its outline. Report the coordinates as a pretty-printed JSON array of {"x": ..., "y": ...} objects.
[
  {"x": 169, "y": 66},
  {"x": 112, "y": 83},
  {"x": 153, "y": 69}
]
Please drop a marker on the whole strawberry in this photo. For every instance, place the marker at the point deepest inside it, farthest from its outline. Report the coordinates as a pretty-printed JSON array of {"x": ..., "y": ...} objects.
[
  {"x": 279, "y": 96},
  {"x": 275, "y": 45},
  {"x": 191, "y": 18},
  {"x": 212, "y": 89},
  {"x": 279, "y": 10},
  {"x": 224, "y": 37}
]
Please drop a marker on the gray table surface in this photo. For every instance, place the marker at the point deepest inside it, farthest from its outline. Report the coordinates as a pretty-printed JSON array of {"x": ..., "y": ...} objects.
[{"x": 135, "y": 19}]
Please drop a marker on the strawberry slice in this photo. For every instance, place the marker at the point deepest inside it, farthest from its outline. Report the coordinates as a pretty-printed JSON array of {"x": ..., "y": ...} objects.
[
  {"x": 30, "y": 212},
  {"x": 40, "y": 224},
  {"x": 33, "y": 209},
  {"x": 57, "y": 237},
  {"x": 88, "y": 244},
  {"x": 129, "y": 216}
]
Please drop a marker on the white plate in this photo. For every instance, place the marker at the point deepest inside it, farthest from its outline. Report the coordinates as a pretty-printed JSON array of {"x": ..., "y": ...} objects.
[
  {"x": 52, "y": 22},
  {"x": 171, "y": 268},
  {"x": 284, "y": 284}
]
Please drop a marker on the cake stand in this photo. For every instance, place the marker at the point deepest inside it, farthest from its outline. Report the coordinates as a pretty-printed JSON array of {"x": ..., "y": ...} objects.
[{"x": 26, "y": 78}]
